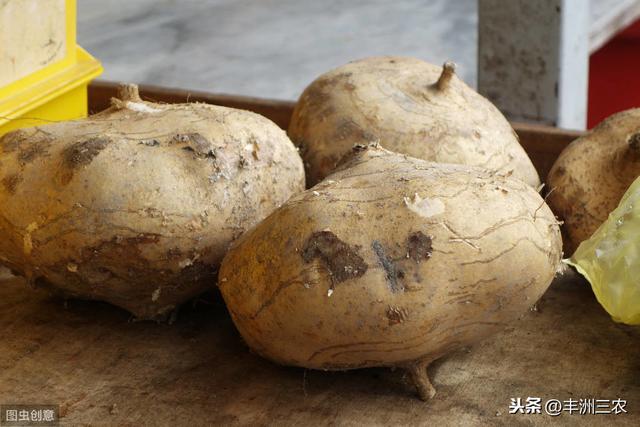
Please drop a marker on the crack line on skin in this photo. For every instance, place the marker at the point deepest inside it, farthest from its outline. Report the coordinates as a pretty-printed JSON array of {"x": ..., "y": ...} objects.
[
  {"x": 457, "y": 238},
  {"x": 503, "y": 223},
  {"x": 473, "y": 285},
  {"x": 432, "y": 327},
  {"x": 493, "y": 258},
  {"x": 377, "y": 343},
  {"x": 111, "y": 227},
  {"x": 284, "y": 285}
]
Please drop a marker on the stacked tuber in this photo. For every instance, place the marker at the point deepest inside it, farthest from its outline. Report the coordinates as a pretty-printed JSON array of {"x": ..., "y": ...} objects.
[
  {"x": 381, "y": 265},
  {"x": 408, "y": 106},
  {"x": 137, "y": 205}
]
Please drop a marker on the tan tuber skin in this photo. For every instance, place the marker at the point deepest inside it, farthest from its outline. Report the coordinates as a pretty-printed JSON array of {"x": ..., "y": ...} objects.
[
  {"x": 408, "y": 106},
  {"x": 590, "y": 176},
  {"x": 138, "y": 204},
  {"x": 390, "y": 261}
]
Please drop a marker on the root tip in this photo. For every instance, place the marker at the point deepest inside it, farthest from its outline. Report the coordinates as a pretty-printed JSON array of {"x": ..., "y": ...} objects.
[
  {"x": 420, "y": 380},
  {"x": 448, "y": 71},
  {"x": 128, "y": 92}
]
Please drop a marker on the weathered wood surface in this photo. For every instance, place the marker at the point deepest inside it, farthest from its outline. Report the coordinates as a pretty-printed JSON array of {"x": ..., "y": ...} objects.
[{"x": 104, "y": 370}]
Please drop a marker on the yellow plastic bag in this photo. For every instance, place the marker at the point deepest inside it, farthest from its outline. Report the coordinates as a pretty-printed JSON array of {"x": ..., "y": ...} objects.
[{"x": 610, "y": 259}]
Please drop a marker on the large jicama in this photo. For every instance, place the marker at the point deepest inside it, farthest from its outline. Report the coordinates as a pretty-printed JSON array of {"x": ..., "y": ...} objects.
[
  {"x": 590, "y": 176},
  {"x": 410, "y": 107},
  {"x": 137, "y": 205},
  {"x": 390, "y": 261}
]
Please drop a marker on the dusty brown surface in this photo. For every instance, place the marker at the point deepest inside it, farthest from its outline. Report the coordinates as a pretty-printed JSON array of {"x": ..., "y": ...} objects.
[{"x": 103, "y": 370}]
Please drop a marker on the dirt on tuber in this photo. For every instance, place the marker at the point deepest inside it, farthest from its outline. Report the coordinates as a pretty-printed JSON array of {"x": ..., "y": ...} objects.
[
  {"x": 390, "y": 261},
  {"x": 138, "y": 204},
  {"x": 591, "y": 175}
]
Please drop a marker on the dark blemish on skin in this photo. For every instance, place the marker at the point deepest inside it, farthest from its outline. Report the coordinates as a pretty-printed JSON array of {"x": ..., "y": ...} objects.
[
  {"x": 10, "y": 182},
  {"x": 342, "y": 261},
  {"x": 348, "y": 129},
  {"x": 333, "y": 80},
  {"x": 82, "y": 153},
  {"x": 196, "y": 143},
  {"x": 419, "y": 246},
  {"x": 396, "y": 315},
  {"x": 174, "y": 253},
  {"x": 392, "y": 273},
  {"x": 634, "y": 141},
  {"x": 150, "y": 142},
  {"x": 560, "y": 171},
  {"x": 120, "y": 248},
  {"x": 12, "y": 141},
  {"x": 242, "y": 162},
  {"x": 33, "y": 150}
]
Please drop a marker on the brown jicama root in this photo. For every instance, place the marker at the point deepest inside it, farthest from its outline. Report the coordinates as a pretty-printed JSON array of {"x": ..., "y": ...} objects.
[
  {"x": 390, "y": 261},
  {"x": 408, "y": 106},
  {"x": 590, "y": 176},
  {"x": 138, "y": 204},
  {"x": 420, "y": 379}
]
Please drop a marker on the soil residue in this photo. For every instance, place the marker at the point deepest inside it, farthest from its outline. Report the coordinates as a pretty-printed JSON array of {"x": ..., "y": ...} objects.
[
  {"x": 196, "y": 143},
  {"x": 419, "y": 246},
  {"x": 11, "y": 182},
  {"x": 342, "y": 260},
  {"x": 392, "y": 272},
  {"x": 34, "y": 149},
  {"x": 82, "y": 153},
  {"x": 12, "y": 141}
]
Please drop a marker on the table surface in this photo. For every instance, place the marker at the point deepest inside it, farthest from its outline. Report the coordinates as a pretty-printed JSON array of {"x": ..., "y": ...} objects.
[{"x": 102, "y": 368}]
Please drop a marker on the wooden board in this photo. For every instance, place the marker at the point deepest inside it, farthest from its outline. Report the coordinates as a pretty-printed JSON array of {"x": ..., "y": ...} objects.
[{"x": 103, "y": 369}]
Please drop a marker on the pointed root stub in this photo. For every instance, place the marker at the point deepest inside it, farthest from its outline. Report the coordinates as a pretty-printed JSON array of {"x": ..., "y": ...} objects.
[
  {"x": 420, "y": 379},
  {"x": 448, "y": 71},
  {"x": 126, "y": 92}
]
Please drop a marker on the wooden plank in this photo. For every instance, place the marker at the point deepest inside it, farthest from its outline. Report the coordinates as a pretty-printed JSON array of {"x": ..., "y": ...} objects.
[
  {"x": 542, "y": 143},
  {"x": 103, "y": 369}
]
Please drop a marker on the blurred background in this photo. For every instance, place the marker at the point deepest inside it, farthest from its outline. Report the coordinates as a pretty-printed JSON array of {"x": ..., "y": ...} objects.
[
  {"x": 268, "y": 48},
  {"x": 274, "y": 48}
]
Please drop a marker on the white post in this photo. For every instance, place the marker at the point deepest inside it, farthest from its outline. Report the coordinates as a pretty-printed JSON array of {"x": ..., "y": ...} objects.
[{"x": 533, "y": 59}]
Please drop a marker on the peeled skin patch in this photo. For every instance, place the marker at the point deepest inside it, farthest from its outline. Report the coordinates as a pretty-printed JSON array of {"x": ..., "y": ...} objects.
[{"x": 425, "y": 207}]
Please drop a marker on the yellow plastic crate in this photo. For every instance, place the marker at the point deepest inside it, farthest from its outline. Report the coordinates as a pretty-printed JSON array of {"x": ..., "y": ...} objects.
[{"x": 36, "y": 90}]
